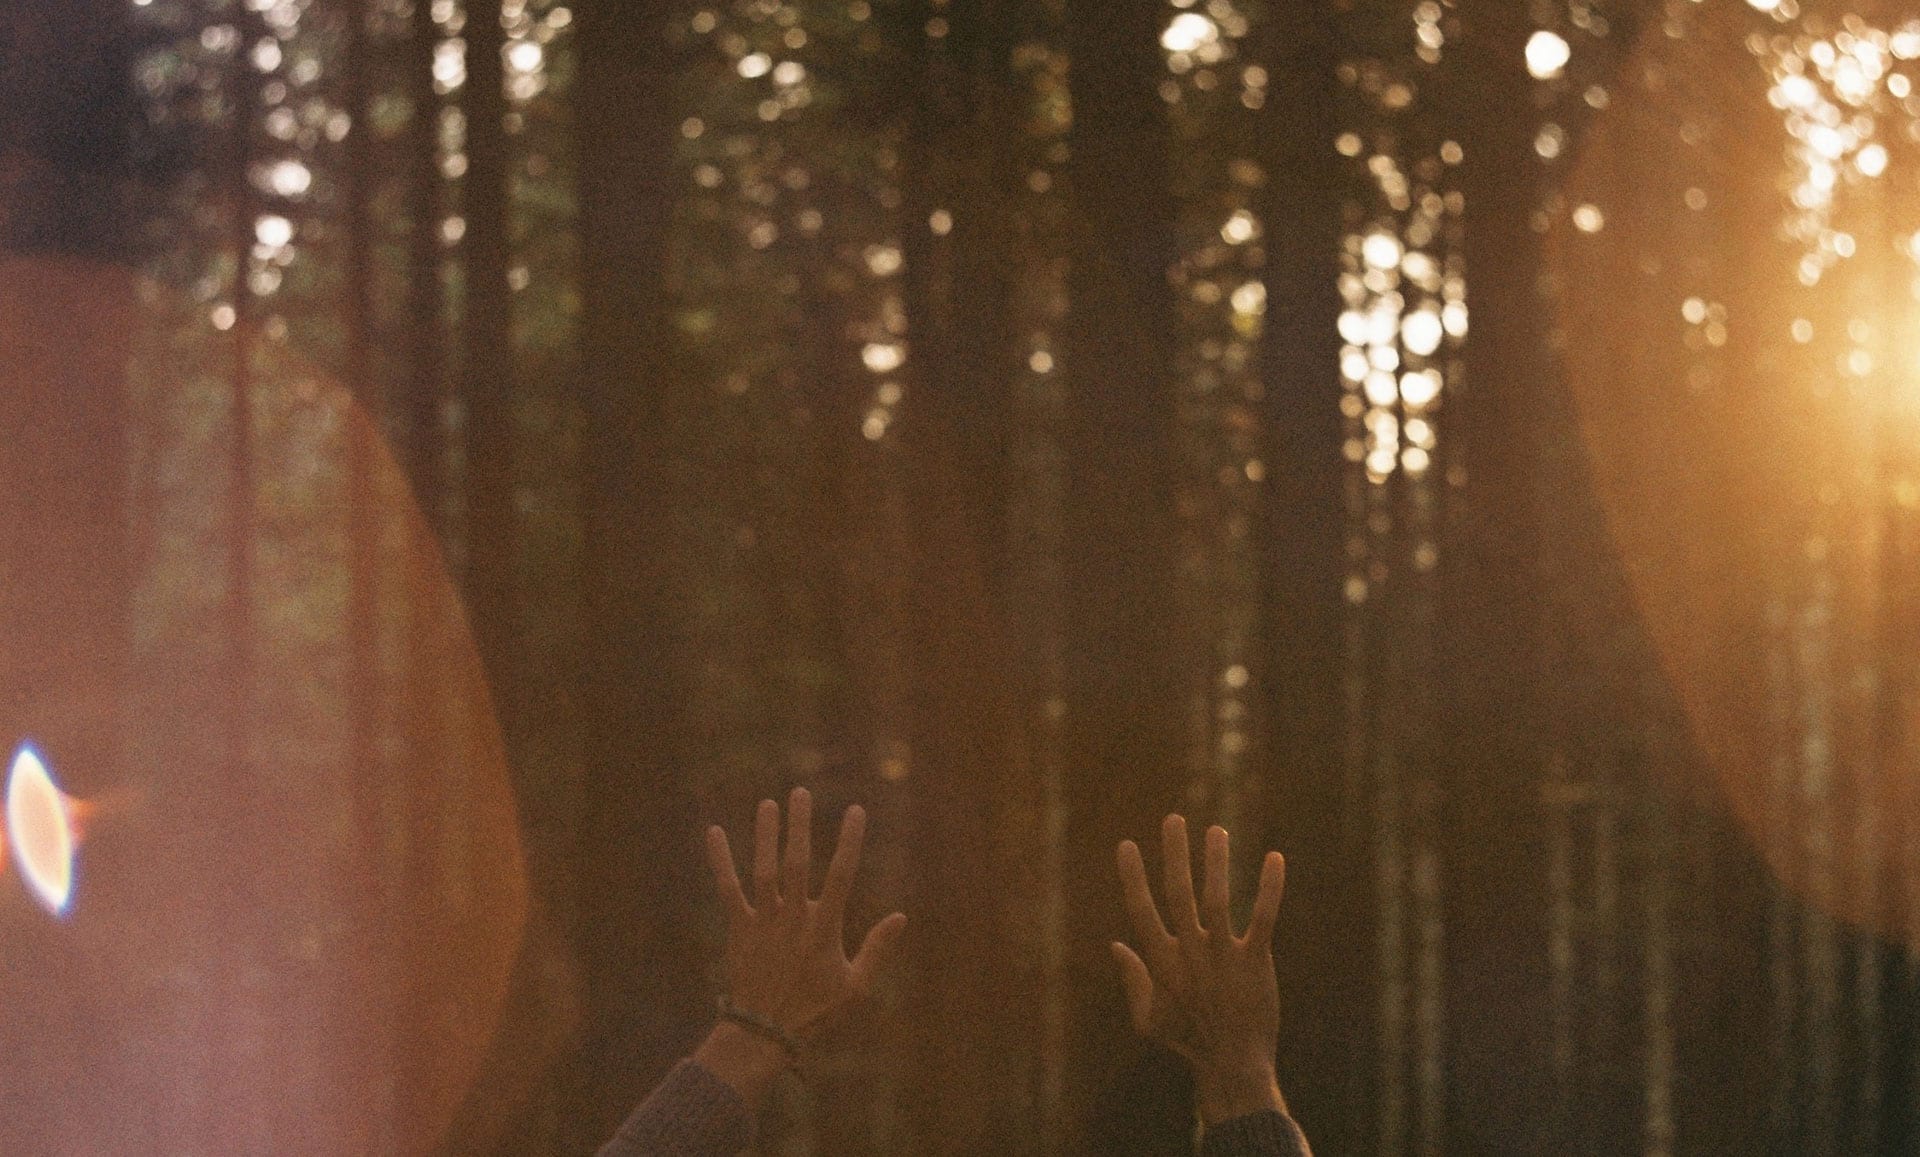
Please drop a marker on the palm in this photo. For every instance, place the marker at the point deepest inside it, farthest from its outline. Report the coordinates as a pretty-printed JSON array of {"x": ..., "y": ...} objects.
[
  {"x": 1186, "y": 1008},
  {"x": 1200, "y": 990},
  {"x": 786, "y": 957}
]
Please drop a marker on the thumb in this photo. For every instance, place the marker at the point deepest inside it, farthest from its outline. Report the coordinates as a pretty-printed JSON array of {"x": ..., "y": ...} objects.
[
  {"x": 875, "y": 951},
  {"x": 1138, "y": 985}
]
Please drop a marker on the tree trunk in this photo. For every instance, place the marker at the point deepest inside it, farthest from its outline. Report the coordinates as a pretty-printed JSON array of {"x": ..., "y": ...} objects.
[
  {"x": 1327, "y": 919},
  {"x": 644, "y": 898},
  {"x": 973, "y": 1039},
  {"x": 1125, "y": 739},
  {"x": 1492, "y": 734},
  {"x": 487, "y": 357},
  {"x": 512, "y": 1108}
]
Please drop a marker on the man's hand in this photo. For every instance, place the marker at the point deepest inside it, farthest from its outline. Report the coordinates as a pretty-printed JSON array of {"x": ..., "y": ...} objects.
[
  {"x": 1203, "y": 992},
  {"x": 786, "y": 955}
]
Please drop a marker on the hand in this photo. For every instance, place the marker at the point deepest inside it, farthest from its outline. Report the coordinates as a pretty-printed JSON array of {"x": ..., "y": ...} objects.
[
  {"x": 786, "y": 956},
  {"x": 1201, "y": 991}
]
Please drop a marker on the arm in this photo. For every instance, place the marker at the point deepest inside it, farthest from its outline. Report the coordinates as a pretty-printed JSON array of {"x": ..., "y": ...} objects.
[
  {"x": 693, "y": 1113},
  {"x": 1209, "y": 995},
  {"x": 786, "y": 966}
]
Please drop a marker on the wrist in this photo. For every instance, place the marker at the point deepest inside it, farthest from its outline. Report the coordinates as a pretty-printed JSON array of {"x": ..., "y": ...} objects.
[
  {"x": 1223, "y": 1092},
  {"x": 747, "y": 1062},
  {"x": 765, "y": 1027}
]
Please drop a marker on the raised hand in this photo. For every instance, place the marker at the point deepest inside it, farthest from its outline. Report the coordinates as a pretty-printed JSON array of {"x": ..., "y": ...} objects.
[
  {"x": 1205, "y": 993},
  {"x": 786, "y": 958}
]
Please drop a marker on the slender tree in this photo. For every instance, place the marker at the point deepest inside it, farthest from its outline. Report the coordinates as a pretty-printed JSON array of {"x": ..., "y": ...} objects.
[
  {"x": 370, "y": 972},
  {"x": 514, "y": 1105},
  {"x": 1327, "y": 918},
  {"x": 487, "y": 354},
  {"x": 975, "y": 1049},
  {"x": 1492, "y": 737},
  {"x": 422, "y": 399},
  {"x": 1123, "y": 696},
  {"x": 237, "y": 901},
  {"x": 644, "y": 903}
]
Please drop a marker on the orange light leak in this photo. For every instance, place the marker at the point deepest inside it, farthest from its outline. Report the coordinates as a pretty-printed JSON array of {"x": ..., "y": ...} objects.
[{"x": 41, "y": 831}]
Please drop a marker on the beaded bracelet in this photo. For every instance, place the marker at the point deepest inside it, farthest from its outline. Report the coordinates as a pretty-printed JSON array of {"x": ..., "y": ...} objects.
[{"x": 760, "y": 1026}]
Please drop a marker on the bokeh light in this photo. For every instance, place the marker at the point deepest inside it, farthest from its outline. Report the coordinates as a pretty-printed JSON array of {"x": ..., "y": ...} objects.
[{"x": 1547, "y": 54}]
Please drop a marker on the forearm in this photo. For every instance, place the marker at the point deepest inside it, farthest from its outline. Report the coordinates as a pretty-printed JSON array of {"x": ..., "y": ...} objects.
[
  {"x": 707, "y": 1105},
  {"x": 1269, "y": 1133},
  {"x": 691, "y": 1114},
  {"x": 747, "y": 1063},
  {"x": 1244, "y": 1115},
  {"x": 1223, "y": 1092}
]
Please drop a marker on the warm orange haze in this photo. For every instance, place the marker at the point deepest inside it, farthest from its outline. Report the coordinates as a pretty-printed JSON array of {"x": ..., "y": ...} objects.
[
  {"x": 1763, "y": 500},
  {"x": 786, "y": 576},
  {"x": 225, "y": 925}
]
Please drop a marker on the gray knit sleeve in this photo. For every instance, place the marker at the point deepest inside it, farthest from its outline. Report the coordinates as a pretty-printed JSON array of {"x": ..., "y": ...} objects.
[
  {"x": 692, "y": 1114},
  {"x": 1268, "y": 1134}
]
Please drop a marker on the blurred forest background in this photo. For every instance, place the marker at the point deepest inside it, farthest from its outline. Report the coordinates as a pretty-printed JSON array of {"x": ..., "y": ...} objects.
[{"x": 1024, "y": 417}]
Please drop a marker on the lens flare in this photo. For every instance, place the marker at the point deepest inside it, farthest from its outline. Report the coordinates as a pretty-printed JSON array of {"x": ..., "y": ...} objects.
[{"x": 40, "y": 831}]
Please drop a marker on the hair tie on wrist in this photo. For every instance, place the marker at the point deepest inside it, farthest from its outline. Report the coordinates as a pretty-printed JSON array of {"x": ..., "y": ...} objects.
[{"x": 760, "y": 1026}]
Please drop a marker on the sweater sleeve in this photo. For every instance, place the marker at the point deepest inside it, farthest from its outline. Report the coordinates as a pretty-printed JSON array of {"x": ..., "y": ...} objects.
[
  {"x": 1269, "y": 1134},
  {"x": 692, "y": 1114}
]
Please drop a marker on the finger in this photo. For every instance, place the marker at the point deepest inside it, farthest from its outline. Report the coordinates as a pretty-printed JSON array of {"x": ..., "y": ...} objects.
[
  {"x": 796, "y": 880},
  {"x": 845, "y": 863},
  {"x": 1177, "y": 871},
  {"x": 875, "y": 951},
  {"x": 1147, "y": 926},
  {"x": 766, "y": 856},
  {"x": 725, "y": 878},
  {"x": 1213, "y": 897},
  {"x": 1266, "y": 902},
  {"x": 1138, "y": 985}
]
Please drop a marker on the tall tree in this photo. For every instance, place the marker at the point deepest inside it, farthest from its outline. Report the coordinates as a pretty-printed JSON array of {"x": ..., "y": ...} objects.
[
  {"x": 371, "y": 973},
  {"x": 515, "y": 1105},
  {"x": 487, "y": 354},
  {"x": 1123, "y": 695},
  {"x": 1328, "y": 915},
  {"x": 424, "y": 398},
  {"x": 975, "y": 1055},
  {"x": 243, "y": 1037},
  {"x": 641, "y": 945},
  {"x": 1493, "y": 742}
]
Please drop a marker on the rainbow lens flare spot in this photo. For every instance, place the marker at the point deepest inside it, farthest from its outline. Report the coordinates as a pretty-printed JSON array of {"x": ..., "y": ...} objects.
[{"x": 40, "y": 831}]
